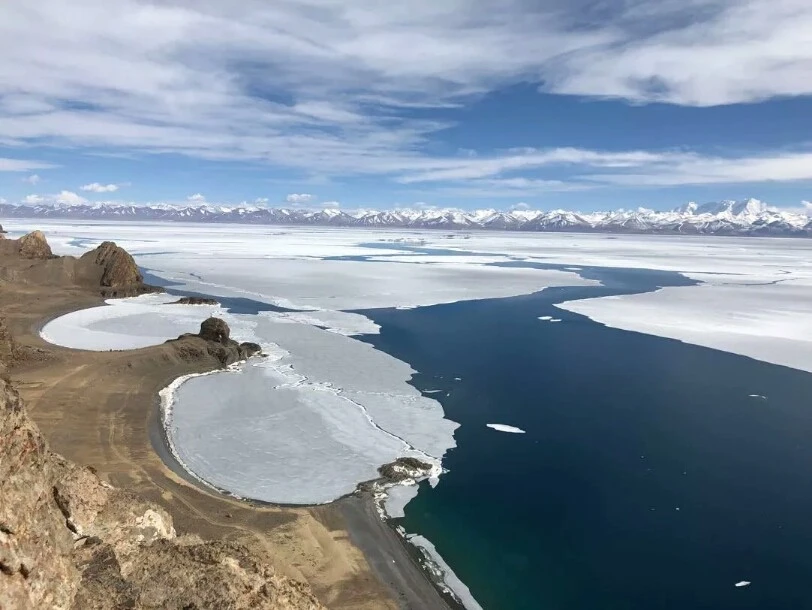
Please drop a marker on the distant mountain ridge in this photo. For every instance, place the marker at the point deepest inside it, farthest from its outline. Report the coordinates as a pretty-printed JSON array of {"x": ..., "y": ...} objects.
[{"x": 745, "y": 217}]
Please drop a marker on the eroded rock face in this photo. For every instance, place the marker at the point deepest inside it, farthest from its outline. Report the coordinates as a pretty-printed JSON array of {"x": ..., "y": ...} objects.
[
  {"x": 119, "y": 273},
  {"x": 34, "y": 245},
  {"x": 70, "y": 541},
  {"x": 215, "y": 329}
]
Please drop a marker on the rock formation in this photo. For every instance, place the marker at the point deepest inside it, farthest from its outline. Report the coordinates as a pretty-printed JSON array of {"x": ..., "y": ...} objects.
[
  {"x": 70, "y": 541},
  {"x": 118, "y": 275},
  {"x": 215, "y": 340},
  {"x": 215, "y": 329},
  {"x": 8, "y": 347},
  {"x": 34, "y": 245},
  {"x": 108, "y": 268},
  {"x": 194, "y": 301},
  {"x": 404, "y": 468}
]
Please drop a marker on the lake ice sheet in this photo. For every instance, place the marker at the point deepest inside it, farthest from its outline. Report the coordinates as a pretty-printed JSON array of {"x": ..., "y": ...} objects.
[{"x": 754, "y": 300}]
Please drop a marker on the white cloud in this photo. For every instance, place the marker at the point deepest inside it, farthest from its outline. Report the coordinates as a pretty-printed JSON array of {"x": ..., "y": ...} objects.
[
  {"x": 331, "y": 204},
  {"x": 69, "y": 198},
  {"x": 20, "y": 165},
  {"x": 300, "y": 198},
  {"x": 196, "y": 198},
  {"x": 520, "y": 206},
  {"x": 261, "y": 200},
  {"x": 32, "y": 179},
  {"x": 96, "y": 187},
  {"x": 3, "y": 200},
  {"x": 326, "y": 86},
  {"x": 33, "y": 199}
]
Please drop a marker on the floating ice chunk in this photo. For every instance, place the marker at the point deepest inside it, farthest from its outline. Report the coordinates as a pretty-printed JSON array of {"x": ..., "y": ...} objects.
[
  {"x": 545, "y": 318},
  {"x": 506, "y": 428},
  {"x": 743, "y": 583},
  {"x": 761, "y": 396},
  {"x": 397, "y": 497}
]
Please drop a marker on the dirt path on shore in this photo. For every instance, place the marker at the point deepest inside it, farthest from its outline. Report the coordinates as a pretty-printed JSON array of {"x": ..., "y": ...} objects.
[{"x": 99, "y": 409}]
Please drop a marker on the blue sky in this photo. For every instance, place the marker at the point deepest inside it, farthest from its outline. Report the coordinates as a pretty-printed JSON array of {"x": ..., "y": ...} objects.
[{"x": 579, "y": 104}]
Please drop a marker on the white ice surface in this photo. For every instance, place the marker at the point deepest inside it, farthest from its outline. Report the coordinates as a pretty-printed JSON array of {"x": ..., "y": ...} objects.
[
  {"x": 743, "y": 583},
  {"x": 284, "y": 266},
  {"x": 506, "y": 428},
  {"x": 397, "y": 497},
  {"x": 127, "y": 323},
  {"x": 307, "y": 424},
  {"x": 770, "y": 322}
]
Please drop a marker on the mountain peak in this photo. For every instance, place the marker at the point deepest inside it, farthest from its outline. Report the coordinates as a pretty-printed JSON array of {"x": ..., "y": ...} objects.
[{"x": 745, "y": 217}]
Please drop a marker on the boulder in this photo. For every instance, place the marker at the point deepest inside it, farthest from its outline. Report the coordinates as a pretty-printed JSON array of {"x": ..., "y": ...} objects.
[
  {"x": 215, "y": 329},
  {"x": 118, "y": 266},
  {"x": 34, "y": 245}
]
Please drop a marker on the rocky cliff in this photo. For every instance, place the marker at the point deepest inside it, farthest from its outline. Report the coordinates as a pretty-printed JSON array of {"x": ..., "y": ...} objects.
[
  {"x": 108, "y": 269},
  {"x": 70, "y": 541},
  {"x": 118, "y": 275}
]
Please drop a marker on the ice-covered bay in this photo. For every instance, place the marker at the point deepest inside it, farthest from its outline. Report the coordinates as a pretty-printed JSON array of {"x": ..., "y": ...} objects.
[
  {"x": 127, "y": 323},
  {"x": 307, "y": 424}
]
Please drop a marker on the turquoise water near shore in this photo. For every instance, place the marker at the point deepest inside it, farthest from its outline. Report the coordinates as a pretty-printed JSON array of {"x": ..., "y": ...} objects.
[{"x": 653, "y": 474}]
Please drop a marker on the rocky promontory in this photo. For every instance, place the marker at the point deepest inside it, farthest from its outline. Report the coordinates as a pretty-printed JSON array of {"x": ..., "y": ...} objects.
[
  {"x": 108, "y": 269},
  {"x": 214, "y": 339},
  {"x": 68, "y": 540}
]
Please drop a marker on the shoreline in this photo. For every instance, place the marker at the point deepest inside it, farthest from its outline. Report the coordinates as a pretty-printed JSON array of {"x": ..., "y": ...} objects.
[
  {"x": 397, "y": 563},
  {"x": 389, "y": 557}
]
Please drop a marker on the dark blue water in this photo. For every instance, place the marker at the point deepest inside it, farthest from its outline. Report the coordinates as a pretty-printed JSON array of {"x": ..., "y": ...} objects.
[{"x": 648, "y": 478}]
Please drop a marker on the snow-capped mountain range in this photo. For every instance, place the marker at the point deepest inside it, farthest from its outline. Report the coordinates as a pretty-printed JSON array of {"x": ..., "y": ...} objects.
[{"x": 747, "y": 217}]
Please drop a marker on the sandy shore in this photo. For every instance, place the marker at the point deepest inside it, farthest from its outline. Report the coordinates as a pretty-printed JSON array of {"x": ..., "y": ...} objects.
[{"x": 100, "y": 409}]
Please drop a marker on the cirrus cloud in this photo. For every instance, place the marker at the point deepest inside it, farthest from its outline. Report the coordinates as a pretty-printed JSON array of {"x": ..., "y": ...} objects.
[{"x": 332, "y": 86}]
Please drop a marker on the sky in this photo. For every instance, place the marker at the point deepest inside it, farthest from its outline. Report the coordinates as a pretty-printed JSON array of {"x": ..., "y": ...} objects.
[{"x": 574, "y": 104}]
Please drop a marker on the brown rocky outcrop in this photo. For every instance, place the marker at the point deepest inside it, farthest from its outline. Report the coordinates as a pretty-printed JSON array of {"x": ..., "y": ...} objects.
[
  {"x": 215, "y": 340},
  {"x": 69, "y": 541},
  {"x": 195, "y": 301},
  {"x": 118, "y": 275},
  {"x": 109, "y": 269},
  {"x": 404, "y": 468},
  {"x": 34, "y": 245}
]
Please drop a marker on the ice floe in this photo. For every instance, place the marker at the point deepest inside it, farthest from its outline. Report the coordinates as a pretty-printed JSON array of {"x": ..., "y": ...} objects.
[
  {"x": 743, "y": 583},
  {"x": 506, "y": 428},
  {"x": 769, "y": 322},
  {"x": 308, "y": 424}
]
